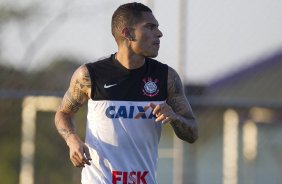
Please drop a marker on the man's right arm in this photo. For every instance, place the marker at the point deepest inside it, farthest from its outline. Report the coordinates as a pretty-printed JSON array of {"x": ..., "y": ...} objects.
[{"x": 77, "y": 94}]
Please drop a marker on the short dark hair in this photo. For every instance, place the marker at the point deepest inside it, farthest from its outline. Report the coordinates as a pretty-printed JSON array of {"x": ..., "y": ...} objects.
[{"x": 127, "y": 15}]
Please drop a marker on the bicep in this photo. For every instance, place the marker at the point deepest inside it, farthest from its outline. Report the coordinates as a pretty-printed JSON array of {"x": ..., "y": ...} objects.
[
  {"x": 70, "y": 103},
  {"x": 176, "y": 97},
  {"x": 77, "y": 93}
]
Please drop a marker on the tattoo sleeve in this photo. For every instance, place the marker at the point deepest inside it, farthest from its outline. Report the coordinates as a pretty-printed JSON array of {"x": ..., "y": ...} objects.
[
  {"x": 184, "y": 124},
  {"x": 64, "y": 125},
  {"x": 74, "y": 98}
]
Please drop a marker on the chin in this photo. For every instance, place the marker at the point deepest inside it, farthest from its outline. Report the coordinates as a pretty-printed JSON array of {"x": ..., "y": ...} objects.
[{"x": 151, "y": 55}]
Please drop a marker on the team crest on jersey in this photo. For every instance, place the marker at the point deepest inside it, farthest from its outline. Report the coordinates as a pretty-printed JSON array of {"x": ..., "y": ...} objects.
[{"x": 150, "y": 88}]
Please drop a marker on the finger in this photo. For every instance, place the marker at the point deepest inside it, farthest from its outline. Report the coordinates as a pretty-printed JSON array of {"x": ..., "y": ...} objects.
[
  {"x": 166, "y": 120},
  {"x": 76, "y": 162},
  {"x": 87, "y": 153},
  {"x": 161, "y": 118},
  {"x": 87, "y": 156},
  {"x": 85, "y": 160},
  {"x": 81, "y": 158},
  {"x": 152, "y": 105},
  {"x": 74, "y": 158},
  {"x": 78, "y": 165},
  {"x": 157, "y": 110}
]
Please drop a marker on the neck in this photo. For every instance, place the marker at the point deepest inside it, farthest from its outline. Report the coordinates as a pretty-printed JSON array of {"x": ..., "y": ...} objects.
[{"x": 130, "y": 61}]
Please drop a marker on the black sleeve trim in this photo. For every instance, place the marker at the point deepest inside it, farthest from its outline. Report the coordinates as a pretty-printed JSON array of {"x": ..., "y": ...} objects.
[
  {"x": 92, "y": 78},
  {"x": 166, "y": 79}
]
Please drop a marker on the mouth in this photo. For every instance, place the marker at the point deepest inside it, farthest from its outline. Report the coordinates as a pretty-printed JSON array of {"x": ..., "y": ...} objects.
[{"x": 156, "y": 43}]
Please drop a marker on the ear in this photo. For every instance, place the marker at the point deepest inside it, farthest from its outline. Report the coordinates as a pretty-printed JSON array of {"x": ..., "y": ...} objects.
[{"x": 126, "y": 34}]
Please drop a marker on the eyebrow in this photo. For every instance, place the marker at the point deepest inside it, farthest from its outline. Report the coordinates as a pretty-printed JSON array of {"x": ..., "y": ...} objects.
[{"x": 152, "y": 24}]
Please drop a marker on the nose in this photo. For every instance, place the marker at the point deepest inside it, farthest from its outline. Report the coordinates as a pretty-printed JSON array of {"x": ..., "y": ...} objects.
[{"x": 159, "y": 33}]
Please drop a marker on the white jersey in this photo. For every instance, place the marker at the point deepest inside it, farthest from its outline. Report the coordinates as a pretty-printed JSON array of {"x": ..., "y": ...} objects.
[{"x": 121, "y": 131}]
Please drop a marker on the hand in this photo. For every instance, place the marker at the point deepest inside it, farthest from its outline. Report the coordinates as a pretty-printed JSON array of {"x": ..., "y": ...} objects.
[
  {"x": 79, "y": 152},
  {"x": 163, "y": 112}
]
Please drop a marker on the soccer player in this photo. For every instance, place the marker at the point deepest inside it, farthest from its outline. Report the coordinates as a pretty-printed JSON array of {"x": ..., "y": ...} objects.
[{"x": 130, "y": 97}]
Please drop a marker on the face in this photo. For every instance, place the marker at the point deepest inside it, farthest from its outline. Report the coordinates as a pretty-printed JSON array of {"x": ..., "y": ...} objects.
[{"x": 146, "y": 38}]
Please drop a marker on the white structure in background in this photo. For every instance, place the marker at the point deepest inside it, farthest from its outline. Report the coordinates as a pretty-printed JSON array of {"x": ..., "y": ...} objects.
[
  {"x": 230, "y": 141},
  {"x": 230, "y": 147},
  {"x": 250, "y": 140},
  {"x": 31, "y": 105}
]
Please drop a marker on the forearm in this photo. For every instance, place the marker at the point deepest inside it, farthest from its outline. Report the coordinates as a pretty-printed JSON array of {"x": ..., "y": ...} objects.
[
  {"x": 65, "y": 125},
  {"x": 74, "y": 98},
  {"x": 185, "y": 128}
]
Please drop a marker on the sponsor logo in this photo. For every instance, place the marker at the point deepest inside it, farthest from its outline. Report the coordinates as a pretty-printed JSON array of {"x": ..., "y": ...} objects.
[
  {"x": 150, "y": 87},
  {"x": 129, "y": 112},
  {"x": 110, "y": 85},
  {"x": 133, "y": 177}
]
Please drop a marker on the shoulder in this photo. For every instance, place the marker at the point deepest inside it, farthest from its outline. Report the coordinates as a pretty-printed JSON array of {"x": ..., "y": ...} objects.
[
  {"x": 100, "y": 66},
  {"x": 172, "y": 76},
  {"x": 100, "y": 61},
  {"x": 81, "y": 80},
  {"x": 174, "y": 83},
  {"x": 81, "y": 72},
  {"x": 172, "y": 72}
]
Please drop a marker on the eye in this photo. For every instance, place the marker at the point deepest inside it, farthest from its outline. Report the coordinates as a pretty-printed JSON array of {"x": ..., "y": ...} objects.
[{"x": 151, "y": 26}]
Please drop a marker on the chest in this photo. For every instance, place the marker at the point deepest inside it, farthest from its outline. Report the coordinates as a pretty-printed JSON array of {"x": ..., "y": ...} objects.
[{"x": 141, "y": 86}]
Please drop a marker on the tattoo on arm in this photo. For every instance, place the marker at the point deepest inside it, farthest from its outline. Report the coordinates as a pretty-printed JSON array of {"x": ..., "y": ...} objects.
[
  {"x": 70, "y": 103},
  {"x": 184, "y": 124},
  {"x": 77, "y": 92},
  {"x": 174, "y": 83},
  {"x": 66, "y": 133},
  {"x": 73, "y": 99},
  {"x": 64, "y": 125},
  {"x": 184, "y": 131}
]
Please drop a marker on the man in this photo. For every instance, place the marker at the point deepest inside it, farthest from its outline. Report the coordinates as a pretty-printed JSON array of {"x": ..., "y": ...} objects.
[{"x": 130, "y": 97}]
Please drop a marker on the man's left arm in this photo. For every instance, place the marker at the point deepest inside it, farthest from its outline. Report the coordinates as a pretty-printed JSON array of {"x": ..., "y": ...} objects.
[{"x": 177, "y": 110}]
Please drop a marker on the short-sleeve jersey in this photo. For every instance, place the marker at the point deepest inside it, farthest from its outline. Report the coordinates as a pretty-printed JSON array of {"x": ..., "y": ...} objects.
[{"x": 121, "y": 131}]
